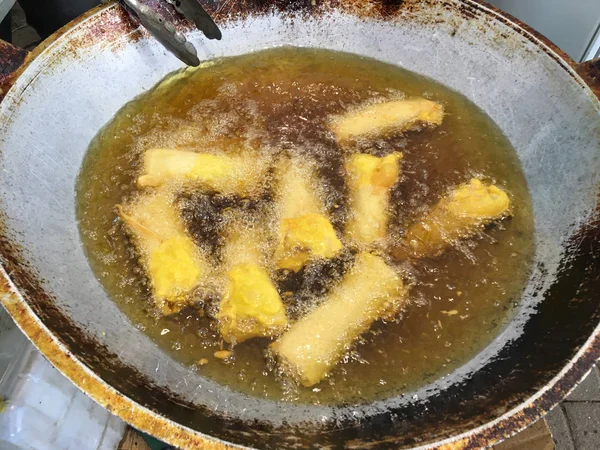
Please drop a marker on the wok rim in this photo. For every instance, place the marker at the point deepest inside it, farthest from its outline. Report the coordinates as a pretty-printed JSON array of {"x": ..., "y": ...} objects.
[{"x": 163, "y": 428}]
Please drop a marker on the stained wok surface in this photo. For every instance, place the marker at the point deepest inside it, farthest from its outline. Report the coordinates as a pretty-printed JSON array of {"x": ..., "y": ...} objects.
[{"x": 545, "y": 350}]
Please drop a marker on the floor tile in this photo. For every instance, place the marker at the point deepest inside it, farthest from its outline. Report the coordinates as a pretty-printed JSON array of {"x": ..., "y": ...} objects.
[
  {"x": 584, "y": 421},
  {"x": 559, "y": 427},
  {"x": 588, "y": 390}
]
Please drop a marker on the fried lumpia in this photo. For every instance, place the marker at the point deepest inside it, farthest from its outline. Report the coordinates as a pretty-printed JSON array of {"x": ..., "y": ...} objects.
[
  {"x": 381, "y": 119},
  {"x": 458, "y": 215},
  {"x": 318, "y": 341},
  {"x": 174, "y": 265},
  {"x": 221, "y": 173},
  {"x": 370, "y": 180},
  {"x": 250, "y": 306},
  {"x": 305, "y": 232}
]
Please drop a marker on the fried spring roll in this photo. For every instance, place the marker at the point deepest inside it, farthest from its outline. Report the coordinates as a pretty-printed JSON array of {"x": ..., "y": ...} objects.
[
  {"x": 305, "y": 232},
  {"x": 174, "y": 265},
  {"x": 458, "y": 215},
  {"x": 250, "y": 306},
  {"x": 221, "y": 173},
  {"x": 381, "y": 119},
  {"x": 370, "y": 180},
  {"x": 298, "y": 191},
  {"x": 313, "y": 345}
]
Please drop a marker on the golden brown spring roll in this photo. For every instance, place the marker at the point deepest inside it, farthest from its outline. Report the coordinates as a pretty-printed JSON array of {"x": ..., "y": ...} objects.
[
  {"x": 222, "y": 173},
  {"x": 318, "y": 341},
  {"x": 458, "y": 215},
  {"x": 370, "y": 180},
  {"x": 381, "y": 119},
  {"x": 305, "y": 232},
  {"x": 174, "y": 265},
  {"x": 250, "y": 306}
]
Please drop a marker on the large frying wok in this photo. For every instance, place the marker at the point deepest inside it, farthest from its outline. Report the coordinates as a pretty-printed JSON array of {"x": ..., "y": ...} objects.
[{"x": 76, "y": 80}]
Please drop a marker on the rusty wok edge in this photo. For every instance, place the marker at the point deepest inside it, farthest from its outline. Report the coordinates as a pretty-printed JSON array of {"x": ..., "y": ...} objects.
[{"x": 157, "y": 425}]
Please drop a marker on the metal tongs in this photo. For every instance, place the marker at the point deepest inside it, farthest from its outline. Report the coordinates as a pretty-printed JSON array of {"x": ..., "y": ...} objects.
[{"x": 164, "y": 31}]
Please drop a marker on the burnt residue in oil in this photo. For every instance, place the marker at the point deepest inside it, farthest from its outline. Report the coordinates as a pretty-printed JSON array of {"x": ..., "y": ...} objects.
[
  {"x": 300, "y": 289},
  {"x": 203, "y": 216},
  {"x": 279, "y": 102}
]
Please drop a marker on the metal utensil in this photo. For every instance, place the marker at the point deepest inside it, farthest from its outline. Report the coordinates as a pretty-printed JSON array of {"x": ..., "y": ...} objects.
[
  {"x": 164, "y": 31},
  {"x": 193, "y": 11}
]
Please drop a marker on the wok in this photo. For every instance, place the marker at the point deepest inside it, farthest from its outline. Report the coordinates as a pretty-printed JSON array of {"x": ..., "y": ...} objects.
[{"x": 76, "y": 81}]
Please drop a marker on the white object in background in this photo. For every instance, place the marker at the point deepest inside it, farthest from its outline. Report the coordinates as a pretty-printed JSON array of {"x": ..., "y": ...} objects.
[
  {"x": 14, "y": 351},
  {"x": 593, "y": 50},
  {"x": 43, "y": 410},
  {"x": 5, "y": 7},
  {"x": 572, "y": 24}
]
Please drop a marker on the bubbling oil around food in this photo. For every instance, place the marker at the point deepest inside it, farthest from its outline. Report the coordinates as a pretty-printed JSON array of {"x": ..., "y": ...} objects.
[{"x": 277, "y": 102}]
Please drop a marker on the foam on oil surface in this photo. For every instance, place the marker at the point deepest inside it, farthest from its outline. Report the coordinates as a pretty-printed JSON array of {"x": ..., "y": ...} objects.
[{"x": 277, "y": 104}]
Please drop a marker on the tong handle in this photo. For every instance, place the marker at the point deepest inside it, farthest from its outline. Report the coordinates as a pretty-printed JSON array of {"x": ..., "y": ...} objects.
[{"x": 165, "y": 33}]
